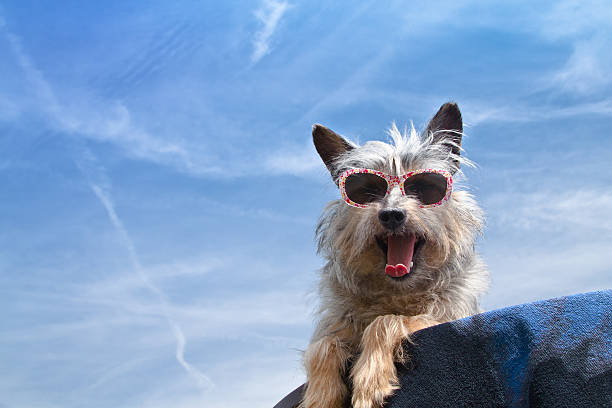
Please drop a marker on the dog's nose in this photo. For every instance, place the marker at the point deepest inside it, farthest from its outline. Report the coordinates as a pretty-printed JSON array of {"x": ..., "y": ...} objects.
[{"x": 392, "y": 218}]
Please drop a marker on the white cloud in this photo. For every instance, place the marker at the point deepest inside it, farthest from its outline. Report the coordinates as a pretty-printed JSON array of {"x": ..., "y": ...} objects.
[
  {"x": 9, "y": 110},
  {"x": 101, "y": 191},
  {"x": 295, "y": 160},
  {"x": 261, "y": 372},
  {"x": 522, "y": 274},
  {"x": 585, "y": 26},
  {"x": 589, "y": 68},
  {"x": 586, "y": 209},
  {"x": 262, "y": 381},
  {"x": 574, "y": 19},
  {"x": 476, "y": 112},
  {"x": 120, "y": 304},
  {"x": 112, "y": 121},
  {"x": 106, "y": 121},
  {"x": 269, "y": 16},
  {"x": 556, "y": 243},
  {"x": 588, "y": 26}
]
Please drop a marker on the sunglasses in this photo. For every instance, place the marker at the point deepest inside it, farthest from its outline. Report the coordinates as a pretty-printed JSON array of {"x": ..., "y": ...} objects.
[{"x": 360, "y": 187}]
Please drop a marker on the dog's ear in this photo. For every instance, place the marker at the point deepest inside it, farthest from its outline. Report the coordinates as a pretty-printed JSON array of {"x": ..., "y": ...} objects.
[
  {"x": 447, "y": 128},
  {"x": 329, "y": 145}
]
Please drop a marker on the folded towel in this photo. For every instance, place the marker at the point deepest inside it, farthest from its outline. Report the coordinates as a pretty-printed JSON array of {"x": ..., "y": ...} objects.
[{"x": 552, "y": 353}]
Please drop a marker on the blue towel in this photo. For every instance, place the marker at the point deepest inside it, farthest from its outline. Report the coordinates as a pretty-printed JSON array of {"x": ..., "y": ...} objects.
[{"x": 553, "y": 353}]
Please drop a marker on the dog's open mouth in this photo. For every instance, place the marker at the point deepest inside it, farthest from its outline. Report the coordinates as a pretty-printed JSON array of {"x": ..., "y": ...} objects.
[{"x": 399, "y": 253}]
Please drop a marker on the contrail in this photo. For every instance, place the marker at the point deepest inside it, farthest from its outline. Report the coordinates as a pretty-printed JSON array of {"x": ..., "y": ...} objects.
[
  {"x": 201, "y": 379},
  {"x": 87, "y": 164}
]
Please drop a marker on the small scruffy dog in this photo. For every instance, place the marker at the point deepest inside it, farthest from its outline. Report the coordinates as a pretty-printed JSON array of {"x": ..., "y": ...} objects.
[{"x": 400, "y": 256}]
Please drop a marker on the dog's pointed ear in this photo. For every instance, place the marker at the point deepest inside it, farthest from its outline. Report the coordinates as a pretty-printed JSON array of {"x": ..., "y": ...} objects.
[
  {"x": 447, "y": 128},
  {"x": 329, "y": 145}
]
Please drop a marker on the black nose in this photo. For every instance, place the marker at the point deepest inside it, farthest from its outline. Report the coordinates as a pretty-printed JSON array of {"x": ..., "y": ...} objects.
[{"x": 392, "y": 218}]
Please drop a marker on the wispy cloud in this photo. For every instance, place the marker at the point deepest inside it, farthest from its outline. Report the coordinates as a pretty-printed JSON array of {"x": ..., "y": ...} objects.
[
  {"x": 93, "y": 172},
  {"x": 8, "y": 109},
  {"x": 588, "y": 27},
  {"x": 554, "y": 209},
  {"x": 573, "y": 19},
  {"x": 302, "y": 160},
  {"x": 523, "y": 274},
  {"x": 121, "y": 302},
  {"x": 295, "y": 160},
  {"x": 584, "y": 27},
  {"x": 589, "y": 68},
  {"x": 556, "y": 242},
  {"x": 268, "y": 15},
  {"x": 263, "y": 381},
  {"x": 110, "y": 121},
  {"x": 476, "y": 112}
]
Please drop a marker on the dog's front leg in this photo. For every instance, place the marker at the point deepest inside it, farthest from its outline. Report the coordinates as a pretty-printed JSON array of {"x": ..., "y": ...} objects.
[
  {"x": 374, "y": 374},
  {"x": 325, "y": 361}
]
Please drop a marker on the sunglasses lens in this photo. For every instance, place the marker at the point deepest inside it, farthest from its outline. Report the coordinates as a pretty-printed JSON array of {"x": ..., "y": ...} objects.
[
  {"x": 429, "y": 188},
  {"x": 364, "y": 188}
]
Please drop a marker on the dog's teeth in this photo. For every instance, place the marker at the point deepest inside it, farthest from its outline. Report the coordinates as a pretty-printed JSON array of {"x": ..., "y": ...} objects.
[{"x": 411, "y": 264}]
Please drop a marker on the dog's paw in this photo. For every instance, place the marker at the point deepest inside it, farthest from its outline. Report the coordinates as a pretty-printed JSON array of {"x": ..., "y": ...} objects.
[
  {"x": 374, "y": 374},
  {"x": 330, "y": 395},
  {"x": 374, "y": 379},
  {"x": 324, "y": 361}
]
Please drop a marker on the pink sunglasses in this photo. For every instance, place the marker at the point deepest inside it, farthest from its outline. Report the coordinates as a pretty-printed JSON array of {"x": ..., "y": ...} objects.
[{"x": 360, "y": 187}]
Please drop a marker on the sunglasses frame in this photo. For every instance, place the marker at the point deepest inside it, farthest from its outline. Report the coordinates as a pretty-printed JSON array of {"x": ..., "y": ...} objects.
[{"x": 393, "y": 181}]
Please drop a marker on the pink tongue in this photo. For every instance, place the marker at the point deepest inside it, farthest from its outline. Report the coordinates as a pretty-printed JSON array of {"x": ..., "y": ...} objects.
[{"x": 399, "y": 254}]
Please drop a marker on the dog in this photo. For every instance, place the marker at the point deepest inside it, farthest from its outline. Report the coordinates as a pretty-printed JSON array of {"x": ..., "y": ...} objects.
[{"x": 400, "y": 252}]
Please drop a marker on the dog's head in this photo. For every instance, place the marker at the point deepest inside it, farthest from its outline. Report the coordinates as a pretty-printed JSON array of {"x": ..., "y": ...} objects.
[{"x": 401, "y": 223}]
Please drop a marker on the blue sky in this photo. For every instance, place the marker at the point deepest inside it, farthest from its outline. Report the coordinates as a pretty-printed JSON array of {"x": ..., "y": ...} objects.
[{"x": 160, "y": 190}]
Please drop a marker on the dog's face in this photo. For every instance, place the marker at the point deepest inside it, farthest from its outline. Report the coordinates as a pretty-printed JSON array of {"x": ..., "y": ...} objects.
[{"x": 399, "y": 231}]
